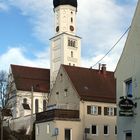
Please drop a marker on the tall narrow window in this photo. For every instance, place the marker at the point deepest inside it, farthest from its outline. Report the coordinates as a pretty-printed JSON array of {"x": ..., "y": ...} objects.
[
  {"x": 71, "y": 53},
  {"x": 71, "y": 20},
  {"x": 106, "y": 130},
  {"x": 44, "y": 105},
  {"x": 115, "y": 130},
  {"x": 94, "y": 129},
  {"x": 128, "y": 85},
  {"x": 69, "y": 42},
  {"x": 48, "y": 128},
  {"x": 36, "y": 105}
]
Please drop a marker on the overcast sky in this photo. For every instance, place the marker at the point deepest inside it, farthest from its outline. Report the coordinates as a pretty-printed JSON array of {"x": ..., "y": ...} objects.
[{"x": 27, "y": 25}]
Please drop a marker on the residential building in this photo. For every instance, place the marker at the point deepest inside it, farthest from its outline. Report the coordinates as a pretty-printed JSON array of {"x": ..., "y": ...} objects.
[
  {"x": 27, "y": 84},
  {"x": 128, "y": 83},
  {"x": 82, "y": 105},
  {"x": 65, "y": 45}
]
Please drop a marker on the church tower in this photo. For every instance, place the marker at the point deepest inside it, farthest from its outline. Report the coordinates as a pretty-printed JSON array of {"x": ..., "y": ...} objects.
[{"x": 65, "y": 45}]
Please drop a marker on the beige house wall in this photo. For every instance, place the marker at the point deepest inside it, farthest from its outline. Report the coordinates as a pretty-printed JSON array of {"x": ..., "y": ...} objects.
[
  {"x": 65, "y": 99},
  {"x": 88, "y": 120},
  {"x": 75, "y": 126},
  {"x": 129, "y": 67}
]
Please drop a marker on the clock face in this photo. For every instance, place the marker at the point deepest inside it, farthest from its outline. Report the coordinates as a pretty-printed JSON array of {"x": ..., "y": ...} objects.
[
  {"x": 57, "y": 28},
  {"x": 71, "y": 28}
]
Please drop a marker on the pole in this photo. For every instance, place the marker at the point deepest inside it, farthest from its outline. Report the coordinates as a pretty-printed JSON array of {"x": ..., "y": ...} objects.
[
  {"x": 1, "y": 125},
  {"x": 31, "y": 124}
]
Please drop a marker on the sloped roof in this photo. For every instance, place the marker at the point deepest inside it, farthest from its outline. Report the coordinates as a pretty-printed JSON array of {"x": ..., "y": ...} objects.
[
  {"x": 93, "y": 85},
  {"x": 26, "y": 77}
]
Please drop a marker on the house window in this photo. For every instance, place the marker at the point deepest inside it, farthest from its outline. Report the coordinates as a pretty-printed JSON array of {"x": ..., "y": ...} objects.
[
  {"x": 44, "y": 105},
  {"x": 110, "y": 111},
  {"x": 128, "y": 87},
  {"x": 69, "y": 64},
  {"x": 94, "y": 110},
  {"x": 37, "y": 130},
  {"x": 106, "y": 129},
  {"x": 36, "y": 105},
  {"x": 25, "y": 101},
  {"x": 48, "y": 128},
  {"x": 71, "y": 53},
  {"x": 94, "y": 129}
]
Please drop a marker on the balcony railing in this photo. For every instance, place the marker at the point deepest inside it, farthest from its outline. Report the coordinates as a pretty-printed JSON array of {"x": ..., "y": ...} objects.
[{"x": 58, "y": 114}]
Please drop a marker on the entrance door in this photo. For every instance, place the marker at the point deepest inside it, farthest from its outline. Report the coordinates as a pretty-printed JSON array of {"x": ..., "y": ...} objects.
[
  {"x": 128, "y": 136},
  {"x": 67, "y": 134}
]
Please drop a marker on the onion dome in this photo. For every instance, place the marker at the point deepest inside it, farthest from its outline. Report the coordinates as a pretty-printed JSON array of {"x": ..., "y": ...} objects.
[{"x": 65, "y": 2}]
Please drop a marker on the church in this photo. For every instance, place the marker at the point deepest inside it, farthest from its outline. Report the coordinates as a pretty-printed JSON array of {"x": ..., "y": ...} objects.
[{"x": 66, "y": 101}]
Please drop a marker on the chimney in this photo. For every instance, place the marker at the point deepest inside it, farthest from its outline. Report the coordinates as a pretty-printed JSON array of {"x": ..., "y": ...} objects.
[
  {"x": 99, "y": 67},
  {"x": 103, "y": 69}
]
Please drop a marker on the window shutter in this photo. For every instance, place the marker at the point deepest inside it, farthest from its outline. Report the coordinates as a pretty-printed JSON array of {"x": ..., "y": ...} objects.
[
  {"x": 115, "y": 111},
  {"x": 105, "y": 111},
  {"x": 88, "y": 109},
  {"x": 99, "y": 110}
]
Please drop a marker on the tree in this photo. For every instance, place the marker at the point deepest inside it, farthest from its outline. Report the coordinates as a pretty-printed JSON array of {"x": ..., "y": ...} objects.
[{"x": 3, "y": 87}]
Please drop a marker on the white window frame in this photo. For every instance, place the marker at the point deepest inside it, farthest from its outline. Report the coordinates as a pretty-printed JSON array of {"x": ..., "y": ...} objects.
[
  {"x": 70, "y": 132},
  {"x": 94, "y": 110},
  {"x": 110, "y": 111},
  {"x": 96, "y": 130},
  {"x": 48, "y": 128}
]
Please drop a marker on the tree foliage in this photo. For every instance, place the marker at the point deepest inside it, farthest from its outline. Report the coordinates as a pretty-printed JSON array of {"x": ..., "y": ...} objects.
[{"x": 3, "y": 87}]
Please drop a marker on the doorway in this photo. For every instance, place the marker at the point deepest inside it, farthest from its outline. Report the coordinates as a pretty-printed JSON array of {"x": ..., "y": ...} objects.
[
  {"x": 128, "y": 136},
  {"x": 68, "y": 134}
]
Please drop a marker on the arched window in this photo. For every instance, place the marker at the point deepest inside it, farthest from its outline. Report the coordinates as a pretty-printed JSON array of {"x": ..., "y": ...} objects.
[
  {"x": 36, "y": 105},
  {"x": 71, "y": 53},
  {"x": 73, "y": 43},
  {"x": 68, "y": 42},
  {"x": 25, "y": 101},
  {"x": 44, "y": 105}
]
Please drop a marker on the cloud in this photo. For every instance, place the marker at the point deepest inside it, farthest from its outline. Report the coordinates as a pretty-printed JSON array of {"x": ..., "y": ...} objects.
[
  {"x": 100, "y": 23},
  {"x": 16, "y": 55},
  {"x": 3, "y": 7},
  {"x": 39, "y": 14}
]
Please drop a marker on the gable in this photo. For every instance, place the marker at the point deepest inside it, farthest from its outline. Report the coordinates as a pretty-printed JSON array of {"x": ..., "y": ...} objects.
[{"x": 130, "y": 56}]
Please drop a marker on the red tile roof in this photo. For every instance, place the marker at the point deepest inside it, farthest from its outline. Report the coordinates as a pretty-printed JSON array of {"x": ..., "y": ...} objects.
[
  {"x": 93, "y": 85},
  {"x": 26, "y": 77}
]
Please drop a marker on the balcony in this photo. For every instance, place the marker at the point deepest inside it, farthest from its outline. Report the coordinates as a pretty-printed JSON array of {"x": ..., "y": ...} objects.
[{"x": 58, "y": 114}]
